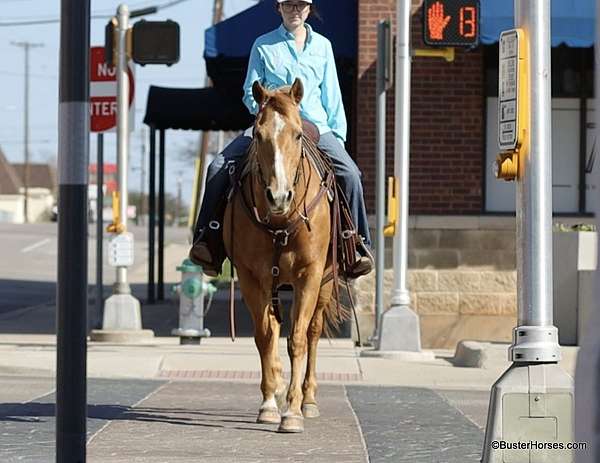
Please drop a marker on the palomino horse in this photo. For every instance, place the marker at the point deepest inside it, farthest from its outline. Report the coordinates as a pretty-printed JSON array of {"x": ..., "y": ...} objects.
[{"x": 282, "y": 190}]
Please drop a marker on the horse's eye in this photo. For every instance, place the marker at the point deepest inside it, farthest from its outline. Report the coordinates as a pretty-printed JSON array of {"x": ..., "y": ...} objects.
[{"x": 299, "y": 136}]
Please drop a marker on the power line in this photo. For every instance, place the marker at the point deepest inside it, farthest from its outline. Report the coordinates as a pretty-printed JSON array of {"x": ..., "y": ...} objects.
[{"x": 35, "y": 22}]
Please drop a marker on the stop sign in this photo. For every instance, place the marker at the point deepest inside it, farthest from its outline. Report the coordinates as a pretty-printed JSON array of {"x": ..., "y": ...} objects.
[{"x": 103, "y": 92}]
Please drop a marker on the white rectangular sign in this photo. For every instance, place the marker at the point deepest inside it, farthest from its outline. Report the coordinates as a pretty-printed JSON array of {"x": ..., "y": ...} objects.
[
  {"x": 120, "y": 250},
  {"x": 508, "y": 90}
]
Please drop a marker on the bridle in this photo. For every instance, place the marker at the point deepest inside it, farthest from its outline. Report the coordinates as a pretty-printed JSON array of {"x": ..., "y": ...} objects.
[{"x": 280, "y": 234}]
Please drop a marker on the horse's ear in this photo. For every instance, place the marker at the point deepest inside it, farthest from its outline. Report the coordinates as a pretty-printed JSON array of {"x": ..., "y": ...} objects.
[
  {"x": 297, "y": 91},
  {"x": 259, "y": 93}
]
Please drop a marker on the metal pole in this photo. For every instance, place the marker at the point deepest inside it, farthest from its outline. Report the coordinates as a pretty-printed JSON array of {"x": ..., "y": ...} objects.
[
  {"x": 152, "y": 216},
  {"x": 400, "y": 294},
  {"x": 71, "y": 298},
  {"x": 535, "y": 388},
  {"x": 161, "y": 217},
  {"x": 96, "y": 322},
  {"x": 121, "y": 285},
  {"x": 399, "y": 333},
  {"x": 534, "y": 199},
  {"x": 380, "y": 174}
]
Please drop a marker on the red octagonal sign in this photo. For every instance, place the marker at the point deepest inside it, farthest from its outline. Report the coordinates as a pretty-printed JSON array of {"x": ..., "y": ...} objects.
[{"x": 103, "y": 91}]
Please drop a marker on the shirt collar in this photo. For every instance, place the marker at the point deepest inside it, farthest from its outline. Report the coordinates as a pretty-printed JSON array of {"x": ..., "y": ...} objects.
[{"x": 288, "y": 35}]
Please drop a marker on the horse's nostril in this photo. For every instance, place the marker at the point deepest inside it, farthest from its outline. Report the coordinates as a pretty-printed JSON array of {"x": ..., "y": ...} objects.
[
  {"x": 270, "y": 196},
  {"x": 288, "y": 198}
]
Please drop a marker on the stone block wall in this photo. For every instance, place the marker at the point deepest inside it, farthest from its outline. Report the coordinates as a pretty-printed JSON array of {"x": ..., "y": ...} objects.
[{"x": 462, "y": 283}]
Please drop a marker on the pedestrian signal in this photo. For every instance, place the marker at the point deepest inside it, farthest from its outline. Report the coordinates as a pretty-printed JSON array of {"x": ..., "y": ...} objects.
[{"x": 451, "y": 23}]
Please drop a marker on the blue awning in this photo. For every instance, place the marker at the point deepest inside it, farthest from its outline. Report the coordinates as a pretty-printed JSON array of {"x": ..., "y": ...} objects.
[
  {"x": 573, "y": 21},
  {"x": 233, "y": 38}
]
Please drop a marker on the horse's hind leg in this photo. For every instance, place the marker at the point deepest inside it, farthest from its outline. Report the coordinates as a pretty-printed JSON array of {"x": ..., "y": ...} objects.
[
  {"x": 309, "y": 387},
  {"x": 266, "y": 337}
]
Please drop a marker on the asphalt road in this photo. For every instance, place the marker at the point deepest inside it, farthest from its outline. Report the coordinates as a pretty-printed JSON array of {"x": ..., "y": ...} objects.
[{"x": 28, "y": 264}]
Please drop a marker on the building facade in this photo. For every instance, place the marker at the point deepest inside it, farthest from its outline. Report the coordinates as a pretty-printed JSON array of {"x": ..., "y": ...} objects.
[{"x": 462, "y": 249}]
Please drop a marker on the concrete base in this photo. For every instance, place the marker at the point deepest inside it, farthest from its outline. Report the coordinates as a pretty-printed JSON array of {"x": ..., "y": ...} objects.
[
  {"x": 122, "y": 336},
  {"x": 530, "y": 403},
  {"x": 122, "y": 322},
  {"x": 407, "y": 356},
  {"x": 122, "y": 312},
  {"x": 399, "y": 330}
]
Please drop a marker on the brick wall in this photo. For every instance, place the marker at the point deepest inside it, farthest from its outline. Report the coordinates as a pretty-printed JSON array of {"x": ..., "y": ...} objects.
[{"x": 447, "y": 121}]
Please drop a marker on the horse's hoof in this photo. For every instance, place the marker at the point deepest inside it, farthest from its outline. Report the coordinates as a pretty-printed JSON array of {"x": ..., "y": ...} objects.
[
  {"x": 269, "y": 416},
  {"x": 291, "y": 423},
  {"x": 310, "y": 411}
]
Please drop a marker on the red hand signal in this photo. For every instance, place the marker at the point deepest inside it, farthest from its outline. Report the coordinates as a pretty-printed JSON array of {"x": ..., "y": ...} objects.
[{"x": 436, "y": 21}]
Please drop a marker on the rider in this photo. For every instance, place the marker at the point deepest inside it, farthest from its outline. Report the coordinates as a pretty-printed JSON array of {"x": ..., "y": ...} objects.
[{"x": 277, "y": 58}]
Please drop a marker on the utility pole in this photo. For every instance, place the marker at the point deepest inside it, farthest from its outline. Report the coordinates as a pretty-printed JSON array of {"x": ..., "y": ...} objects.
[{"x": 26, "y": 46}]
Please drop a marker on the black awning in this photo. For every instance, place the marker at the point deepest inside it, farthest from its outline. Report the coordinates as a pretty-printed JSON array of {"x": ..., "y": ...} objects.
[{"x": 195, "y": 109}]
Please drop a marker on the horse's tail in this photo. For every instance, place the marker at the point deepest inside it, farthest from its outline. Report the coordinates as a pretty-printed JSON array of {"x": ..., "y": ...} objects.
[{"x": 335, "y": 314}]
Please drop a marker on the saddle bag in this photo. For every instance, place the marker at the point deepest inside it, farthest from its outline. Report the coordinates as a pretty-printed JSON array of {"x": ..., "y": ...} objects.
[{"x": 347, "y": 236}]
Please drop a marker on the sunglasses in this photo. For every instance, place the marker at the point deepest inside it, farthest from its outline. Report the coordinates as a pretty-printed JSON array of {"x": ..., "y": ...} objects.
[{"x": 288, "y": 7}]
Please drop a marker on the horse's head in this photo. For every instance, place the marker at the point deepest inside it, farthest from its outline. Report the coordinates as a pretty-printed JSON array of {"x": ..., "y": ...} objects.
[{"x": 278, "y": 138}]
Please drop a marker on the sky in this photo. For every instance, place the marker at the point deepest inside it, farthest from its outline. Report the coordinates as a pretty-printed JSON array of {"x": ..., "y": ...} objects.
[{"x": 193, "y": 16}]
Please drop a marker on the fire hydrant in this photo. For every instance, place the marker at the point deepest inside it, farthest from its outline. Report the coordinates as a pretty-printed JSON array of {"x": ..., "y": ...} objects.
[{"x": 191, "y": 303}]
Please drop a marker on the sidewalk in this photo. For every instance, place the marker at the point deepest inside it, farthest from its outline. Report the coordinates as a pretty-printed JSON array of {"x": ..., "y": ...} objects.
[{"x": 163, "y": 402}]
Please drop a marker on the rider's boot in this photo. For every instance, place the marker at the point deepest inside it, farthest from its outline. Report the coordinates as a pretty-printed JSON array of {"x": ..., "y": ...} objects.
[{"x": 364, "y": 261}]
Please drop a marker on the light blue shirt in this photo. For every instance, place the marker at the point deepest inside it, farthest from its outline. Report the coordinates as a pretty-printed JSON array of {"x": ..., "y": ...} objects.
[{"x": 275, "y": 62}]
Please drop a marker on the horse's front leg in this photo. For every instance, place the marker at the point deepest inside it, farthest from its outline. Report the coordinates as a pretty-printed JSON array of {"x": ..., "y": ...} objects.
[
  {"x": 266, "y": 337},
  {"x": 309, "y": 387},
  {"x": 306, "y": 292}
]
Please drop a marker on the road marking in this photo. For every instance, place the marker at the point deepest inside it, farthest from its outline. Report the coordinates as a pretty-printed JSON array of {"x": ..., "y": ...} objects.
[{"x": 35, "y": 245}]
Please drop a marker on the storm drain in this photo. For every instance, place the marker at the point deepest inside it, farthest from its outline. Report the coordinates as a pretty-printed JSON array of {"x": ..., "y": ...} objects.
[{"x": 232, "y": 374}]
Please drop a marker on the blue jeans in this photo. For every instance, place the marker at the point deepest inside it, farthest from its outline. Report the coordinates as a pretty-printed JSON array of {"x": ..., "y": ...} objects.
[{"x": 346, "y": 171}]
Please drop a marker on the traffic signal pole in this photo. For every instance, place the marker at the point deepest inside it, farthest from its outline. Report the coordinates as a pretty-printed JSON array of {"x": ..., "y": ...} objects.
[
  {"x": 122, "y": 320},
  {"x": 533, "y": 399},
  {"x": 71, "y": 297},
  {"x": 121, "y": 285},
  {"x": 398, "y": 334}
]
